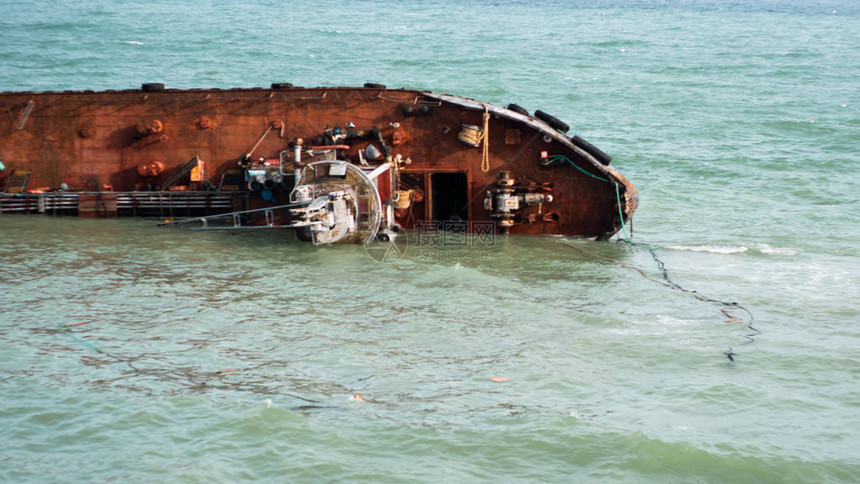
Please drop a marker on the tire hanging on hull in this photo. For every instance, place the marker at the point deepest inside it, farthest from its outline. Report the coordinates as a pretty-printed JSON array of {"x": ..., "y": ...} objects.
[
  {"x": 518, "y": 109},
  {"x": 591, "y": 150},
  {"x": 551, "y": 120}
]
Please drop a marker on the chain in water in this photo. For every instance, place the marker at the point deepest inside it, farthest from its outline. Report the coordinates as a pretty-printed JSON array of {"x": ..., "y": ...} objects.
[{"x": 730, "y": 309}]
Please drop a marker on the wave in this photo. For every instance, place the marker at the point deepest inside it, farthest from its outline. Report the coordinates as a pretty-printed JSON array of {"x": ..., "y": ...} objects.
[
  {"x": 727, "y": 250},
  {"x": 713, "y": 249},
  {"x": 766, "y": 249}
]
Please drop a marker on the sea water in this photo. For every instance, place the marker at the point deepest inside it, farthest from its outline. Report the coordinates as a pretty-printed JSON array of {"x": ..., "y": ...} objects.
[{"x": 137, "y": 354}]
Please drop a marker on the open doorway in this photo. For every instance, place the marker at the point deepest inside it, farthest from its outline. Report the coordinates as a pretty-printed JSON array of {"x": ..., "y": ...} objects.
[{"x": 450, "y": 196}]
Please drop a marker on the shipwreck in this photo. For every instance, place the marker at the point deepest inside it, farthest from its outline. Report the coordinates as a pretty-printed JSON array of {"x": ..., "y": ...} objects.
[{"x": 332, "y": 164}]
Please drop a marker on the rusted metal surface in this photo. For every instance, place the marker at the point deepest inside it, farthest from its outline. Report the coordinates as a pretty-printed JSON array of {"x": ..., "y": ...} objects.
[{"x": 136, "y": 139}]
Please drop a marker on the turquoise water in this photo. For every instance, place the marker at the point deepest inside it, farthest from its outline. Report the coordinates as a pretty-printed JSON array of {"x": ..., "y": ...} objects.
[{"x": 137, "y": 354}]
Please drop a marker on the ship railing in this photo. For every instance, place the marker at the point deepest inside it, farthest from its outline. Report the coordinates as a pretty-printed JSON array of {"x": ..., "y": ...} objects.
[{"x": 142, "y": 204}]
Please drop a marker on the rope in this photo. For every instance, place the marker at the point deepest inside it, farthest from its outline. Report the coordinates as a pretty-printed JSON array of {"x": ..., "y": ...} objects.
[
  {"x": 727, "y": 310},
  {"x": 661, "y": 266},
  {"x": 617, "y": 191},
  {"x": 621, "y": 214},
  {"x": 254, "y": 148},
  {"x": 728, "y": 307},
  {"x": 471, "y": 135},
  {"x": 403, "y": 200},
  {"x": 485, "y": 154},
  {"x": 565, "y": 158}
]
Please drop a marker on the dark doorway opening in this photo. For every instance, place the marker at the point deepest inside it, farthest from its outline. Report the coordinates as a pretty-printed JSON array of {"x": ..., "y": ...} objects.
[{"x": 450, "y": 196}]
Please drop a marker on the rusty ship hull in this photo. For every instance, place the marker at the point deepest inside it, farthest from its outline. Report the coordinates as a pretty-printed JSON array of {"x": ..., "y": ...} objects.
[{"x": 419, "y": 157}]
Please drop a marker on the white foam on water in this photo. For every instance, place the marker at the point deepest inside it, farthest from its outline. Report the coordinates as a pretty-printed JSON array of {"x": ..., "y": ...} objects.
[
  {"x": 713, "y": 249},
  {"x": 726, "y": 250},
  {"x": 132, "y": 42},
  {"x": 766, "y": 249}
]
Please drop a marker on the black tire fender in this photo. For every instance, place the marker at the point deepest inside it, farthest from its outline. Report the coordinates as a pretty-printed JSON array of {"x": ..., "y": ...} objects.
[
  {"x": 592, "y": 150},
  {"x": 518, "y": 109},
  {"x": 551, "y": 120},
  {"x": 152, "y": 86}
]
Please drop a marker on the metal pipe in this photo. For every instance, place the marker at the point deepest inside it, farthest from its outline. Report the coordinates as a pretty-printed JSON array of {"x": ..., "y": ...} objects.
[
  {"x": 297, "y": 160},
  {"x": 379, "y": 170}
]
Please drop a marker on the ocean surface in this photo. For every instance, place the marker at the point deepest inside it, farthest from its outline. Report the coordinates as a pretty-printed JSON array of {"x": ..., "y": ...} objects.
[{"x": 130, "y": 353}]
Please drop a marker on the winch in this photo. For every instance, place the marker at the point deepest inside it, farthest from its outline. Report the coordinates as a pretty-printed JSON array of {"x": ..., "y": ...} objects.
[
  {"x": 339, "y": 202},
  {"x": 508, "y": 201},
  {"x": 329, "y": 217}
]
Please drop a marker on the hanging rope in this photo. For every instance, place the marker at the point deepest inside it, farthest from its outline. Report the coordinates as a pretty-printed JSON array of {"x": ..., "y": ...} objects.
[
  {"x": 485, "y": 154},
  {"x": 250, "y": 152}
]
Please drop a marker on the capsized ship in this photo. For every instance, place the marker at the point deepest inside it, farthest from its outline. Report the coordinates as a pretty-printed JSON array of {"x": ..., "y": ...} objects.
[{"x": 334, "y": 164}]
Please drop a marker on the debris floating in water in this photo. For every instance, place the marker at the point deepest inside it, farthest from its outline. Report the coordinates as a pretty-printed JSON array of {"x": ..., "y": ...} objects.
[
  {"x": 357, "y": 397},
  {"x": 499, "y": 379},
  {"x": 731, "y": 355}
]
